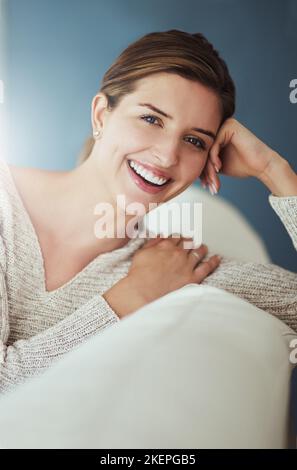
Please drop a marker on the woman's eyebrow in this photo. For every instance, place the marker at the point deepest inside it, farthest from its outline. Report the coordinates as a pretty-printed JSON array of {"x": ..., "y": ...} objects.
[{"x": 157, "y": 110}]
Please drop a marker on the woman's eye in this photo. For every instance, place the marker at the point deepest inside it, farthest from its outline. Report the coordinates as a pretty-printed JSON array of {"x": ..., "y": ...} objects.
[
  {"x": 201, "y": 144},
  {"x": 148, "y": 116}
]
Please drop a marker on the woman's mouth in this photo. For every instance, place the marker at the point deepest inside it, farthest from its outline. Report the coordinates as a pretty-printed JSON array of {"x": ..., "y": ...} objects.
[{"x": 142, "y": 179}]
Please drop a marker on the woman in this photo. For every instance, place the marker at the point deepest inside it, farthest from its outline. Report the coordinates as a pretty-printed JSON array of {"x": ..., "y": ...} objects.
[{"x": 164, "y": 106}]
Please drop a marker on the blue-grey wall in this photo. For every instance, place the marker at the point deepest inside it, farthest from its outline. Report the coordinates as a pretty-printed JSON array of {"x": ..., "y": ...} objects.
[
  {"x": 58, "y": 51},
  {"x": 3, "y": 77}
]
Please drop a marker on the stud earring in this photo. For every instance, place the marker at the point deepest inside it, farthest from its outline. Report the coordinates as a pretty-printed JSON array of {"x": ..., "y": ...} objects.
[{"x": 96, "y": 134}]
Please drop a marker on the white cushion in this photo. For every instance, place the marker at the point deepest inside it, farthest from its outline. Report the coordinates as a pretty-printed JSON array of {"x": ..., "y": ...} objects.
[
  {"x": 197, "y": 368},
  {"x": 225, "y": 230}
]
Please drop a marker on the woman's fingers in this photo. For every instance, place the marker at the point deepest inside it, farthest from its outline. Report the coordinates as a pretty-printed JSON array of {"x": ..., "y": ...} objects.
[
  {"x": 175, "y": 239},
  {"x": 214, "y": 156},
  {"x": 210, "y": 177},
  {"x": 205, "y": 268},
  {"x": 213, "y": 177},
  {"x": 223, "y": 138},
  {"x": 195, "y": 255},
  {"x": 203, "y": 179},
  {"x": 201, "y": 268},
  {"x": 152, "y": 241}
]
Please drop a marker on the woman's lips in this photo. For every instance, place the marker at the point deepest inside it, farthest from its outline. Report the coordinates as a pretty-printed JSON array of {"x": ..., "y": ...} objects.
[{"x": 143, "y": 185}]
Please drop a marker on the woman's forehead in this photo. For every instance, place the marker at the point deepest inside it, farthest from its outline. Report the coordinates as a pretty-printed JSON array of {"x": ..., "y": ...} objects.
[
  {"x": 177, "y": 97},
  {"x": 168, "y": 83}
]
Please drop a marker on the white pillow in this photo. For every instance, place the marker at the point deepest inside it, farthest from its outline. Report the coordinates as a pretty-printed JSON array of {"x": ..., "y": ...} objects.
[
  {"x": 225, "y": 230},
  {"x": 197, "y": 368}
]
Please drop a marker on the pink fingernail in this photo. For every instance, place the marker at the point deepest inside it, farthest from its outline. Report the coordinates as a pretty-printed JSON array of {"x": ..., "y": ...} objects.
[
  {"x": 214, "y": 188},
  {"x": 216, "y": 168},
  {"x": 210, "y": 189}
]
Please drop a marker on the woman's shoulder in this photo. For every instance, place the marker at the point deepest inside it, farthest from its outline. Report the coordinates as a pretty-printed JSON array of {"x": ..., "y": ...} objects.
[
  {"x": 9, "y": 203},
  {"x": 4, "y": 173},
  {"x": 7, "y": 195},
  {"x": 10, "y": 175},
  {"x": 19, "y": 183},
  {"x": 13, "y": 176},
  {"x": 15, "y": 184}
]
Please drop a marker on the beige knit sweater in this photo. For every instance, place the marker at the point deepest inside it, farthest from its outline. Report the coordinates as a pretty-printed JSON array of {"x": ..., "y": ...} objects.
[{"x": 38, "y": 327}]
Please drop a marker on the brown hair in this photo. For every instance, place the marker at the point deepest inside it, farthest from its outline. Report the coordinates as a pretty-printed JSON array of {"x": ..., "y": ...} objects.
[{"x": 190, "y": 55}]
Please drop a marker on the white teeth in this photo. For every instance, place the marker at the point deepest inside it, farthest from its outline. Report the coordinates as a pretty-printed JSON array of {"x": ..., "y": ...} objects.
[{"x": 147, "y": 175}]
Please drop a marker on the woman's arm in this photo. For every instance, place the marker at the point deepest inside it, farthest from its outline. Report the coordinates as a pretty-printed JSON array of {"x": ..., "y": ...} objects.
[
  {"x": 281, "y": 180},
  {"x": 26, "y": 358},
  {"x": 265, "y": 285},
  {"x": 279, "y": 177},
  {"x": 237, "y": 152}
]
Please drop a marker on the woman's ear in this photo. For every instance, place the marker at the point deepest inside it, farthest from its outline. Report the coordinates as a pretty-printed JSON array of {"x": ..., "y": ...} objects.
[{"x": 99, "y": 108}]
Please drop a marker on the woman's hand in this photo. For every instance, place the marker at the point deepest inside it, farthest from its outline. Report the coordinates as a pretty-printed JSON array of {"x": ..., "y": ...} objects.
[
  {"x": 237, "y": 152},
  {"x": 162, "y": 265}
]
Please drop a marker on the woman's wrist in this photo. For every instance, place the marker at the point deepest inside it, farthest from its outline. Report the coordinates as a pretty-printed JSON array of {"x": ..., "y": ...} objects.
[
  {"x": 123, "y": 298},
  {"x": 279, "y": 177}
]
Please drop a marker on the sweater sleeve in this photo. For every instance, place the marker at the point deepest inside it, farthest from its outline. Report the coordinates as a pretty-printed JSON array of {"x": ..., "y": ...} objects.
[
  {"x": 265, "y": 285},
  {"x": 27, "y": 358},
  {"x": 286, "y": 209}
]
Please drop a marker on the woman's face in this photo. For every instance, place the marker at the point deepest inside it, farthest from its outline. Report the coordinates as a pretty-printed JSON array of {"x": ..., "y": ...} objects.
[{"x": 135, "y": 132}]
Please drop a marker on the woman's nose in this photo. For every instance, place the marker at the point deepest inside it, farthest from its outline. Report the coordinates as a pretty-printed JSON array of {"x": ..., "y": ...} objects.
[{"x": 167, "y": 154}]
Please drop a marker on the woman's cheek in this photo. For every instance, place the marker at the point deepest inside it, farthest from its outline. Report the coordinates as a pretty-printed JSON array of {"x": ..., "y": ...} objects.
[
  {"x": 140, "y": 138},
  {"x": 201, "y": 165},
  {"x": 195, "y": 164},
  {"x": 193, "y": 169}
]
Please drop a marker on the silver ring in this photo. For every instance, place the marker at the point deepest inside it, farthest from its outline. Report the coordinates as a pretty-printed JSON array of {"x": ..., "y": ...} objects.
[{"x": 195, "y": 254}]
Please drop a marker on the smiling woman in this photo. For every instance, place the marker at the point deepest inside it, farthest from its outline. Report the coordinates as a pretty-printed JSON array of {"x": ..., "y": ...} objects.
[{"x": 163, "y": 110}]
